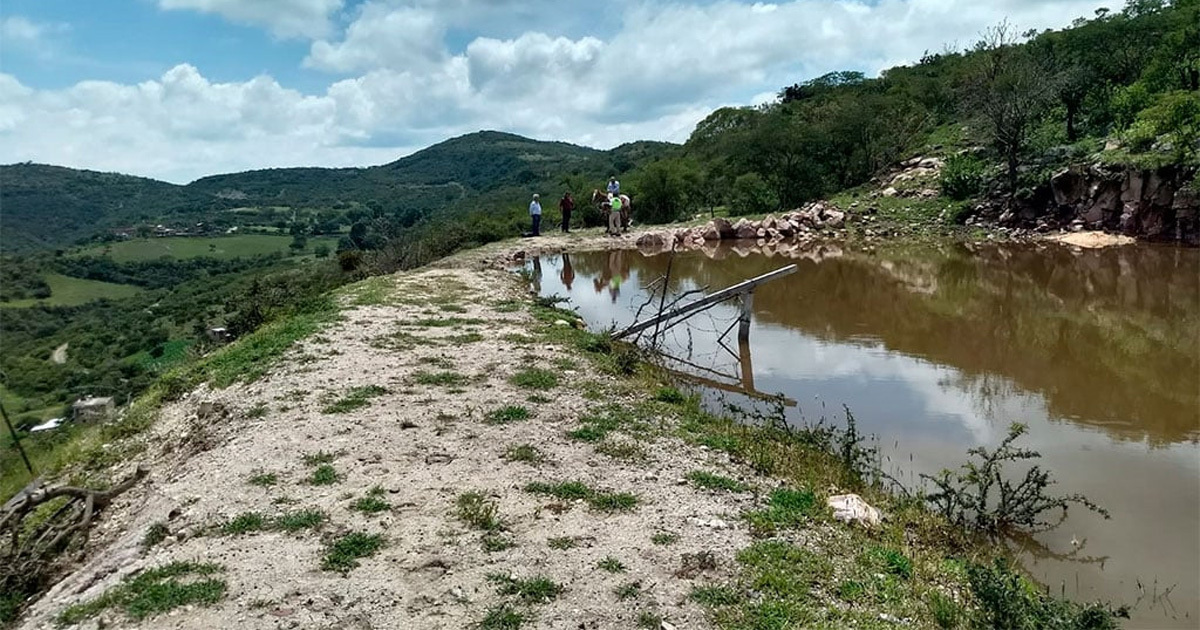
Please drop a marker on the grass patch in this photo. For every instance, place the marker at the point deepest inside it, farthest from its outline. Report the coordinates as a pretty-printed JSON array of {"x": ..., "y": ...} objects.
[
  {"x": 493, "y": 542},
  {"x": 343, "y": 554},
  {"x": 611, "y": 564},
  {"x": 464, "y": 339},
  {"x": 154, "y": 592},
  {"x": 576, "y": 490},
  {"x": 264, "y": 480},
  {"x": 539, "y": 399},
  {"x": 665, "y": 538},
  {"x": 502, "y": 617},
  {"x": 320, "y": 457},
  {"x": 356, "y": 398},
  {"x": 669, "y": 395},
  {"x": 373, "y": 503},
  {"x": 156, "y": 533},
  {"x": 323, "y": 475},
  {"x": 785, "y": 508},
  {"x": 533, "y": 590},
  {"x": 244, "y": 524},
  {"x": 535, "y": 378},
  {"x": 478, "y": 511},
  {"x": 298, "y": 521},
  {"x": 562, "y": 543},
  {"x": 524, "y": 453},
  {"x": 257, "y": 411},
  {"x": 69, "y": 291},
  {"x": 628, "y": 451},
  {"x": 447, "y": 322},
  {"x": 445, "y": 378},
  {"x": 628, "y": 591},
  {"x": 650, "y": 621},
  {"x": 506, "y": 415},
  {"x": 710, "y": 481},
  {"x": 714, "y": 596}
]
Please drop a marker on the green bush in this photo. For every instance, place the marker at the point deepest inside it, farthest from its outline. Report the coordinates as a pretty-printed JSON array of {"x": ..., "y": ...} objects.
[
  {"x": 962, "y": 177},
  {"x": 752, "y": 195},
  {"x": 1008, "y": 601}
]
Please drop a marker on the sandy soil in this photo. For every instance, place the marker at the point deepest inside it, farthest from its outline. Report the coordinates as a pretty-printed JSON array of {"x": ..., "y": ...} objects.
[{"x": 424, "y": 445}]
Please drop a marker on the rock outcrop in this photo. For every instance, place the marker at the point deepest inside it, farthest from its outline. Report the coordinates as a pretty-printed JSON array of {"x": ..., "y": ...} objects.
[{"x": 1153, "y": 204}]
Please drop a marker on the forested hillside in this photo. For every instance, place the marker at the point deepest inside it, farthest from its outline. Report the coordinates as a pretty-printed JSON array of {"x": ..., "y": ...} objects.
[
  {"x": 53, "y": 207},
  {"x": 1122, "y": 88}
]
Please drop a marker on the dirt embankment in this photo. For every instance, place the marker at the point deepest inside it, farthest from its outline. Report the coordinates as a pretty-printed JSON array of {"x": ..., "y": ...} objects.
[{"x": 433, "y": 397}]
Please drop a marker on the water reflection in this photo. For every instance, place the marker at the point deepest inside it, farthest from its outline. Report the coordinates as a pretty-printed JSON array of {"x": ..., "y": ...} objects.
[{"x": 937, "y": 349}]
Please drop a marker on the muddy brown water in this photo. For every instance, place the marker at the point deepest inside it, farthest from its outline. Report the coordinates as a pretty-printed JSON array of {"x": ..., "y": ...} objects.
[{"x": 937, "y": 349}]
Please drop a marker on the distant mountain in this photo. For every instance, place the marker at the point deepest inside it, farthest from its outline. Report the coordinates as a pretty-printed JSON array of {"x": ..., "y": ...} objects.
[{"x": 44, "y": 207}]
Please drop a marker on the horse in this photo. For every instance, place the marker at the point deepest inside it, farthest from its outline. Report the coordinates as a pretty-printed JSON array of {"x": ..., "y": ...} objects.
[{"x": 601, "y": 200}]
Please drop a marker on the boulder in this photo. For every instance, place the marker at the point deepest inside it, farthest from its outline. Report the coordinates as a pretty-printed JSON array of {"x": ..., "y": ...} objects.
[
  {"x": 760, "y": 232},
  {"x": 835, "y": 219},
  {"x": 651, "y": 240},
  {"x": 890, "y": 191},
  {"x": 745, "y": 230},
  {"x": 724, "y": 227},
  {"x": 711, "y": 233}
]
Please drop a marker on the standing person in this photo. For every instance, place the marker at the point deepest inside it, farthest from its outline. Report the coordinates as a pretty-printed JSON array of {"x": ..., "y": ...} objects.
[
  {"x": 614, "y": 186},
  {"x": 566, "y": 205},
  {"x": 614, "y": 215},
  {"x": 535, "y": 213}
]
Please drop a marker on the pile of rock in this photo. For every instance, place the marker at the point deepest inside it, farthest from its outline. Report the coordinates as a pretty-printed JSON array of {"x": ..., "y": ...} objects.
[{"x": 802, "y": 223}]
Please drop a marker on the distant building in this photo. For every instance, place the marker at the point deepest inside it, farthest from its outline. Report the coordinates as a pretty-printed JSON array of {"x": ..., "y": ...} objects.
[{"x": 93, "y": 409}]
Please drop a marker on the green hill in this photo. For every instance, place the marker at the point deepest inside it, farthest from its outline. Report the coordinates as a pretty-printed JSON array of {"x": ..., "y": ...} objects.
[{"x": 47, "y": 207}]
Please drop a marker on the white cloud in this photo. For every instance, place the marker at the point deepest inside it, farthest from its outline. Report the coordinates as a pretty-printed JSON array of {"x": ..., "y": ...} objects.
[
  {"x": 18, "y": 33},
  {"x": 284, "y": 18},
  {"x": 382, "y": 37},
  {"x": 653, "y": 74}
]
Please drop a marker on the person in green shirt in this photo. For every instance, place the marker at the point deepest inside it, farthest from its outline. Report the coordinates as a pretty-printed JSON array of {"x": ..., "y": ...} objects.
[{"x": 614, "y": 215}]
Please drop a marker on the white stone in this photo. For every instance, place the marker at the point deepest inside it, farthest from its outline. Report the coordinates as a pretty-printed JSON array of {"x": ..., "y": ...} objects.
[{"x": 851, "y": 508}]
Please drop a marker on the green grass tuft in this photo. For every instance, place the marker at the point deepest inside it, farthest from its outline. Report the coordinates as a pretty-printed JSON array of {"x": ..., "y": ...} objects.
[
  {"x": 444, "y": 379},
  {"x": 535, "y": 378},
  {"x": 154, "y": 592},
  {"x": 669, "y": 395},
  {"x": 561, "y": 543},
  {"x": 323, "y": 475},
  {"x": 296, "y": 521},
  {"x": 712, "y": 481},
  {"x": 506, "y": 415},
  {"x": 628, "y": 591},
  {"x": 320, "y": 457},
  {"x": 478, "y": 511},
  {"x": 611, "y": 564},
  {"x": 345, "y": 552},
  {"x": 502, "y": 617},
  {"x": 264, "y": 480},
  {"x": 665, "y": 538},
  {"x": 533, "y": 590},
  {"x": 524, "y": 453},
  {"x": 493, "y": 542},
  {"x": 244, "y": 524},
  {"x": 715, "y": 596},
  {"x": 785, "y": 508},
  {"x": 356, "y": 398},
  {"x": 156, "y": 533}
]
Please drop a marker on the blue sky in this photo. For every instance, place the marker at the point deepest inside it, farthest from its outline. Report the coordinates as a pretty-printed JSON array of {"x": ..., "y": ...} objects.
[{"x": 179, "y": 89}]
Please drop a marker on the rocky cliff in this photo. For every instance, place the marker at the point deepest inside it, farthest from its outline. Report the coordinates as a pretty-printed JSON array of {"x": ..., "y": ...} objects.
[{"x": 1157, "y": 204}]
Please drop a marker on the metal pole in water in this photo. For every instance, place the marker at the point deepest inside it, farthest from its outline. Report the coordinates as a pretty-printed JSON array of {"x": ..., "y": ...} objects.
[
  {"x": 744, "y": 317},
  {"x": 16, "y": 440}
]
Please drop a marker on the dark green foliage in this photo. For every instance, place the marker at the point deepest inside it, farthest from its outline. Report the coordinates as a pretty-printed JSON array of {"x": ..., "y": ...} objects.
[
  {"x": 373, "y": 503},
  {"x": 664, "y": 538},
  {"x": 323, "y": 475},
  {"x": 575, "y": 490},
  {"x": 669, "y": 395},
  {"x": 264, "y": 480},
  {"x": 962, "y": 177},
  {"x": 1008, "y": 601},
  {"x": 297, "y": 521},
  {"x": 343, "y": 554},
  {"x": 611, "y": 564},
  {"x": 947, "y": 613},
  {"x": 245, "y": 523},
  {"x": 715, "y": 596},
  {"x": 445, "y": 379},
  {"x": 524, "y": 453}
]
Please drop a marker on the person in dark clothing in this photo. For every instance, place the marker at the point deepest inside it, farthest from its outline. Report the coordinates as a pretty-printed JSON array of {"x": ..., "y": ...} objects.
[{"x": 566, "y": 205}]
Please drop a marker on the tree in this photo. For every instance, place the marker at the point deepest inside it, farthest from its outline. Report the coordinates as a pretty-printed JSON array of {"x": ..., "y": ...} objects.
[
  {"x": 665, "y": 189},
  {"x": 1005, "y": 91}
]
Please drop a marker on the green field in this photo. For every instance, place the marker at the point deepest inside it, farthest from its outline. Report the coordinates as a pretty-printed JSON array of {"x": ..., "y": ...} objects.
[
  {"x": 68, "y": 291},
  {"x": 223, "y": 247}
]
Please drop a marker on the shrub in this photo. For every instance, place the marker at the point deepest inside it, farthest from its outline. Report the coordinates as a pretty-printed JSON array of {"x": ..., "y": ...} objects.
[
  {"x": 753, "y": 195},
  {"x": 962, "y": 177}
]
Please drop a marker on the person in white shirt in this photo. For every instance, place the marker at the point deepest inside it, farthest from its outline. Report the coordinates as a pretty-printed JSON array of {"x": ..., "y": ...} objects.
[
  {"x": 535, "y": 213},
  {"x": 614, "y": 186}
]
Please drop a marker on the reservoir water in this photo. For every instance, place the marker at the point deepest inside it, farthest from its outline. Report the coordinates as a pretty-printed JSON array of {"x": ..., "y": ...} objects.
[{"x": 939, "y": 348}]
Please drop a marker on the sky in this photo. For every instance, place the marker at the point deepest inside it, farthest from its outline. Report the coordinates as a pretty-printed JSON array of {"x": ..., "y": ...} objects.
[{"x": 180, "y": 89}]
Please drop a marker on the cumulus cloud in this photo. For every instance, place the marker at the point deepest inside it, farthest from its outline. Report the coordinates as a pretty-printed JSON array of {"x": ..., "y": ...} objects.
[
  {"x": 399, "y": 79},
  {"x": 284, "y": 18}
]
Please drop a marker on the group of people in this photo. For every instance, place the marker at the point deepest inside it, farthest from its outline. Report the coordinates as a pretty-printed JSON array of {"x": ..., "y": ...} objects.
[{"x": 614, "y": 203}]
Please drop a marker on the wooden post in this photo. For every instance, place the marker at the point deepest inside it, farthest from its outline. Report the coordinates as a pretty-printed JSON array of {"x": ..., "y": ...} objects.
[
  {"x": 744, "y": 317},
  {"x": 740, "y": 288}
]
